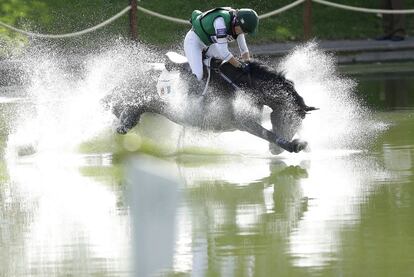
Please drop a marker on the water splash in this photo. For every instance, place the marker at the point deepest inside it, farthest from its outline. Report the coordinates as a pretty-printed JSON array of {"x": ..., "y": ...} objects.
[
  {"x": 61, "y": 109},
  {"x": 63, "y": 93},
  {"x": 342, "y": 125},
  {"x": 342, "y": 121},
  {"x": 65, "y": 109}
]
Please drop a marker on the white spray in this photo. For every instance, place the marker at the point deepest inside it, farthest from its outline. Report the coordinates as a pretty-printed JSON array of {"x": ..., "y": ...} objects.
[
  {"x": 342, "y": 121},
  {"x": 65, "y": 107}
]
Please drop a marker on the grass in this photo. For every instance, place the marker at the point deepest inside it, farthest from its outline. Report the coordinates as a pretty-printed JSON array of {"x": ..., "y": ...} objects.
[{"x": 59, "y": 16}]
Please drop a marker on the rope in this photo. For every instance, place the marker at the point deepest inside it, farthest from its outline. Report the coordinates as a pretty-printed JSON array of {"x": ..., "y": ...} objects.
[
  {"x": 106, "y": 22},
  {"x": 182, "y": 21},
  {"x": 364, "y": 10},
  {"x": 285, "y": 8},
  {"x": 166, "y": 17}
]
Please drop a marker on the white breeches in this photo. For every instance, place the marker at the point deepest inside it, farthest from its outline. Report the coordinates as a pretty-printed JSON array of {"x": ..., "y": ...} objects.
[{"x": 193, "y": 48}]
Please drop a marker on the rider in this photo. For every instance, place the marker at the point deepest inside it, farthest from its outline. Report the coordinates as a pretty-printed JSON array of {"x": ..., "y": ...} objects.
[{"x": 212, "y": 30}]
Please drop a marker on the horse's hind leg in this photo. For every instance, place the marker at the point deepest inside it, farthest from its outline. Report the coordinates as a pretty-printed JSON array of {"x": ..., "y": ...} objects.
[
  {"x": 284, "y": 123},
  {"x": 128, "y": 118}
]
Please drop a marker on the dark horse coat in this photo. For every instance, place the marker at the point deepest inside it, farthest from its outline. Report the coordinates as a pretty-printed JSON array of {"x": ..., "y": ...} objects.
[{"x": 234, "y": 101}]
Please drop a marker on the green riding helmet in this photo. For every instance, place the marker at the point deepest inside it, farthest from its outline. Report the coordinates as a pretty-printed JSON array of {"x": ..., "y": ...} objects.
[{"x": 248, "y": 20}]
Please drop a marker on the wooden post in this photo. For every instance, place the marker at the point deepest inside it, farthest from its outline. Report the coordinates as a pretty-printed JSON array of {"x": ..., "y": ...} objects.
[
  {"x": 307, "y": 20},
  {"x": 133, "y": 20}
]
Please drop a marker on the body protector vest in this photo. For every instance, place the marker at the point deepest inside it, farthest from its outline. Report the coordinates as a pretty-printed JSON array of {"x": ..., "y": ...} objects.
[{"x": 203, "y": 24}]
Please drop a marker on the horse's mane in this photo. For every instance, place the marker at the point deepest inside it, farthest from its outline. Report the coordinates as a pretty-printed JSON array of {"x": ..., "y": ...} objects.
[
  {"x": 265, "y": 73},
  {"x": 259, "y": 71}
]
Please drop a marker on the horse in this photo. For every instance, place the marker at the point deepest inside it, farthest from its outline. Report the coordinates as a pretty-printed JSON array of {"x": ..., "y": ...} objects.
[{"x": 231, "y": 100}]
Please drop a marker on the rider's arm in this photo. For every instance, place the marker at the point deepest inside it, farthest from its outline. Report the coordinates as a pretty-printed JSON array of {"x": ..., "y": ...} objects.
[
  {"x": 246, "y": 56},
  {"x": 222, "y": 45},
  {"x": 234, "y": 62},
  {"x": 244, "y": 51}
]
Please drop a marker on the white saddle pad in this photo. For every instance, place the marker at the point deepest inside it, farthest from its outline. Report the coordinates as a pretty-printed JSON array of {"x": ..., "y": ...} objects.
[{"x": 176, "y": 58}]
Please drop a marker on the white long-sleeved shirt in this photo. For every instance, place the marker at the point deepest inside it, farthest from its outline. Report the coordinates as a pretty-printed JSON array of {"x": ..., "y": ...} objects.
[{"x": 222, "y": 40}]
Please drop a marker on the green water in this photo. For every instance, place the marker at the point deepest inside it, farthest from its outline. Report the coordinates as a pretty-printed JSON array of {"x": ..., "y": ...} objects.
[{"x": 331, "y": 213}]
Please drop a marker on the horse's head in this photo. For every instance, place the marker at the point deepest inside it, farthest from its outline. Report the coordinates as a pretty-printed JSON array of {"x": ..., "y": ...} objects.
[{"x": 270, "y": 86}]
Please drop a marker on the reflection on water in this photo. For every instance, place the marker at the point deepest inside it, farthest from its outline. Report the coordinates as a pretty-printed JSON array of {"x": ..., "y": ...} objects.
[
  {"x": 54, "y": 221},
  {"x": 315, "y": 216},
  {"x": 333, "y": 212},
  {"x": 388, "y": 90}
]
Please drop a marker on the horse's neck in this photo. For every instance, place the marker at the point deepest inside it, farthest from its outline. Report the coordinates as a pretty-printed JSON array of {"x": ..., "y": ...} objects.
[
  {"x": 215, "y": 63},
  {"x": 259, "y": 75}
]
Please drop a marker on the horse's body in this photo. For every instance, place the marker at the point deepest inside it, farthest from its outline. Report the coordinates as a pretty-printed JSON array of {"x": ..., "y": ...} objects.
[{"x": 235, "y": 104}]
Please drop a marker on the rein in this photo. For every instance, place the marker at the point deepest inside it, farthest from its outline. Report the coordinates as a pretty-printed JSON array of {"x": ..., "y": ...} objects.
[
  {"x": 233, "y": 83},
  {"x": 224, "y": 76}
]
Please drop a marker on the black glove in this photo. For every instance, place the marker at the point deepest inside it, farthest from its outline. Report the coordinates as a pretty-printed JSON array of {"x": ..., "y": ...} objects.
[{"x": 245, "y": 67}]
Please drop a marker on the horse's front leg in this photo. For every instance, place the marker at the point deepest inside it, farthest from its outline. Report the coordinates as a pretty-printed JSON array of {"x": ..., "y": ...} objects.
[
  {"x": 258, "y": 130},
  {"x": 286, "y": 124}
]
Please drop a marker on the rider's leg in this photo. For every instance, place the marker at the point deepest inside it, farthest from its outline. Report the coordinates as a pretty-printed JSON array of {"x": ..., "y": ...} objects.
[{"x": 193, "y": 48}]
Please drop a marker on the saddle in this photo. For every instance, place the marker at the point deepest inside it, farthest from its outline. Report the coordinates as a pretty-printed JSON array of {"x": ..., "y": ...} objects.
[
  {"x": 177, "y": 67},
  {"x": 179, "y": 64}
]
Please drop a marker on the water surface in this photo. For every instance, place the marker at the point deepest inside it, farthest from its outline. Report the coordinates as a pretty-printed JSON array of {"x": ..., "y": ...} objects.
[{"x": 331, "y": 212}]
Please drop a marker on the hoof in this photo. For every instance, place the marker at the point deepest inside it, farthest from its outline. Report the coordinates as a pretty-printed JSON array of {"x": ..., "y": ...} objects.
[
  {"x": 299, "y": 145},
  {"x": 295, "y": 145}
]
